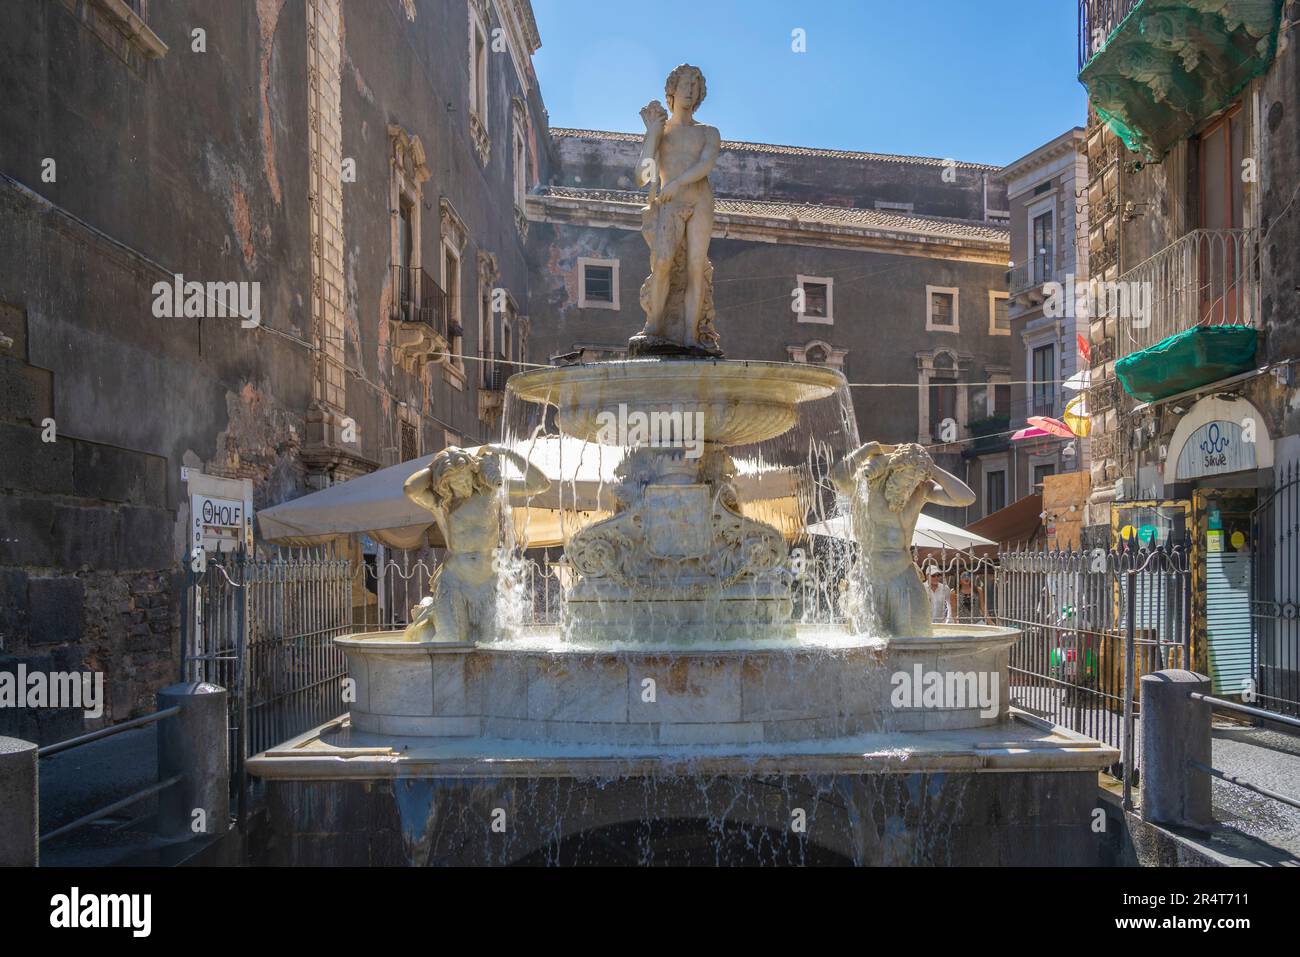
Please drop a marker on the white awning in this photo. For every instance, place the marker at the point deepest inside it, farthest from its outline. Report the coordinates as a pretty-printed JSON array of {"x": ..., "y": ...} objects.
[{"x": 930, "y": 533}]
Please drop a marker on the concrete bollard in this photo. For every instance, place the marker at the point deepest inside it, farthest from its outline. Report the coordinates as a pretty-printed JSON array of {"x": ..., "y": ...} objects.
[
  {"x": 19, "y": 810},
  {"x": 196, "y": 745},
  {"x": 1175, "y": 732}
]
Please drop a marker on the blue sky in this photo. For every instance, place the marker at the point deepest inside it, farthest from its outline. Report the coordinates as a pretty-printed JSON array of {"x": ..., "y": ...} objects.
[{"x": 977, "y": 80}]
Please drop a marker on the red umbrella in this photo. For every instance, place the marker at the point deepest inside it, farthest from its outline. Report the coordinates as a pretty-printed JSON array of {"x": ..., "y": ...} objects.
[
  {"x": 1051, "y": 426},
  {"x": 1030, "y": 433}
]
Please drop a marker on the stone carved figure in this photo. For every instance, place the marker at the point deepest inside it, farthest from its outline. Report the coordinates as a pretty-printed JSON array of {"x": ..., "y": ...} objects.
[
  {"x": 677, "y": 156},
  {"x": 899, "y": 481},
  {"x": 461, "y": 488}
]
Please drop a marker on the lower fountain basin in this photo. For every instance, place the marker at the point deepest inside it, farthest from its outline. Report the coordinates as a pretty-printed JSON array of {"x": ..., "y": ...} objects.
[{"x": 823, "y": 684}]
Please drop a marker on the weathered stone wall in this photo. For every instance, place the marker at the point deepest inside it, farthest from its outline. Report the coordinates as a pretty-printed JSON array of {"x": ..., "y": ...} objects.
[
  {"x": 949, "y": 819},
  {"x": 197, "y": 163}
]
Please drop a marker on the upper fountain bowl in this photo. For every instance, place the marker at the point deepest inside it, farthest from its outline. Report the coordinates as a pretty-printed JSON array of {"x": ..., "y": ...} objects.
[{"x": 742, "y": 402}]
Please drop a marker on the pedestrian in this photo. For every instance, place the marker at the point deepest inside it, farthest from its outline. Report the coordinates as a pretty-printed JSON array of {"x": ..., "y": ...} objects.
[{"x": 943, "y": 603}]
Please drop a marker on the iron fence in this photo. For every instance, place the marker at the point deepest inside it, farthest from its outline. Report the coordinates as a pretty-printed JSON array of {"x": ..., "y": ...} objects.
[
  {"x": 263, "y": 628},
  {"x": 1092, "y": 623},
  {"x": 1275, "y": 596}
]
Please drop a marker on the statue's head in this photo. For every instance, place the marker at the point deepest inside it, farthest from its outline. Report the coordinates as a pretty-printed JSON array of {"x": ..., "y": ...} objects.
[
  {"x": 456, "y": 474},
  {"x": 905, "y": 469},
  {"x": 689, "y": 82}
]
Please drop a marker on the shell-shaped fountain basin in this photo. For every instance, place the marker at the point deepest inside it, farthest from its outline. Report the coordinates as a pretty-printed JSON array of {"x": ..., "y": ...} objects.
[
  {"x": 823, "y": 684},
  {"x": 741, "y": 401}
]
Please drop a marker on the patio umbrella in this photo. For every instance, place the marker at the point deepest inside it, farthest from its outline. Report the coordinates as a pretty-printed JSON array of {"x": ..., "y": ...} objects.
[
  {"x": 930, "y": 533},
  {"x": 1076, "y": 416},
  {"x": 1030, "y": 432},
  {"x": 1051, "y": 426},
  {"x": 1078, "y": 382}
]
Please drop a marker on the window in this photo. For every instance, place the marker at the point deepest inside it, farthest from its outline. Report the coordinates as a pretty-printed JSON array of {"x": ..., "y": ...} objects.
[
  {"x": 903, "y": 209},
  {"x": 1042, "y": 471},
  {"x": 999, "y": 319},
  {"x": 941, "y": 309},
  {"x": 1221, "y": 202},
  {"x": 451, "y": 283},
  {"x": 597, "y": 283},
  {"x": 995, "y": 491},
  {"x": 1043, "y": 394},
  {"x": 943, "y": 398},
  {"x": 478, "y": 84},
  {"x": 410, "y": 441},
  {"x": 1002, "y": 400},
  {"x": 1041, "y": 246},
  {"x": 817, "y": 299}
]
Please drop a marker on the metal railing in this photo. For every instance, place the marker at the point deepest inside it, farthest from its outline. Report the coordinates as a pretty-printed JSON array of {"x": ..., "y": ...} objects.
[
  {"x": 1206, "y": 278},
  {"x": 494, "y": 369},
  {"x": 417, "y": 298},
  {"x": 1093, "y": 622},
  {"x": 264, "y": 629},
  {"x": 1275, "y": 595},
  {"x": 1030, "y": 275},
  {"x": 122, "y": 803},
  {"x": 1097, "y": 21}
]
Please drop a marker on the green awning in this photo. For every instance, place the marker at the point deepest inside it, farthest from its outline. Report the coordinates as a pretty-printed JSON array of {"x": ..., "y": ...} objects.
[{"x": 1187, "y": 360}]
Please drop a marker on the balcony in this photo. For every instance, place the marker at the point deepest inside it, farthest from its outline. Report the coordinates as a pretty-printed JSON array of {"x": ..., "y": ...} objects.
[
  {"x": 1192, "y": 316},
  {"x": 1025, "y": 281},
  {"x": 1155, "y": 69},
  {"x": 494, "y": 370},
  {"x": 419, "y": 307}
]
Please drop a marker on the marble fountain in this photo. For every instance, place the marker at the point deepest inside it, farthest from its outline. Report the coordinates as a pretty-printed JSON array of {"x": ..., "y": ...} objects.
[{"x": 686, "y": 709}]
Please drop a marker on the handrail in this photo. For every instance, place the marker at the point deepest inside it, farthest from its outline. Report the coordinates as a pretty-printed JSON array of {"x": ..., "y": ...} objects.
[
  {"x": 1245, "y": 709},
  {"x": 90, "y": 736},
  {"x": 1233, "y": 779},
  {"x": 115, "y": 806}
]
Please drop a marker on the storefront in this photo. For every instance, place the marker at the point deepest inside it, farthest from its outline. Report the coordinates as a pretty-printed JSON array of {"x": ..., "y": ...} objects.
[{"x": 1217, "y": 469}]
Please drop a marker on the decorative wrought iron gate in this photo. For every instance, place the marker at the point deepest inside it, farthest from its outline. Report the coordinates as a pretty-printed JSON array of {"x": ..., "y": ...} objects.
[
  {"x": 1275, "y": 596},
  {"x": 263, "y": 630}
]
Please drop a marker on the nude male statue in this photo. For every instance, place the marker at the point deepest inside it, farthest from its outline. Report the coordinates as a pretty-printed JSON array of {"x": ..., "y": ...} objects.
[
  {"x": 677, "y": 156},
  {"x": 461, "y": 488},
  {"x": 901, "y": 479}
]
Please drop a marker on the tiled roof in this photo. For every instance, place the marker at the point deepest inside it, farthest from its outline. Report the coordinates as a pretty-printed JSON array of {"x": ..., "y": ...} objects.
[
  {"x": 738, "y": 146},
  {"x": 933, "y": 226}
]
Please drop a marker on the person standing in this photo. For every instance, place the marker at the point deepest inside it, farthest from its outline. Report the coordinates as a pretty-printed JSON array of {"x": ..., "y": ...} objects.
[{"x": 943, "y": 603}]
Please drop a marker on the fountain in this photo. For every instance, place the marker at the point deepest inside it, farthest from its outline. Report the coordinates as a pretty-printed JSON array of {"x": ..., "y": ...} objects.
[{"x": 684, "y": 710}]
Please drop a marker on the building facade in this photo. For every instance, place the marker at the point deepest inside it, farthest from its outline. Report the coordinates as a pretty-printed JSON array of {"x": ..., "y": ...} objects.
[
  {"x": 1045, "y": 191},
  {"x": 248, "y": 251},
  {"x": 1193, "y": 169},
  {"x": 889, "y": 268}
]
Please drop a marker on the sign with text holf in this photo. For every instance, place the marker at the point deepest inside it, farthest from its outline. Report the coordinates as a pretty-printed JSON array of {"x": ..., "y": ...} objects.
[
  {"x": 221, "y": 513},
  {"x": 1216, "y": 448}
]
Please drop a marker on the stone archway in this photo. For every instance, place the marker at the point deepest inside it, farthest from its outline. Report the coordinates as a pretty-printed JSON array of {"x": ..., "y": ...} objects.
[{"x": 683, "y": 842}]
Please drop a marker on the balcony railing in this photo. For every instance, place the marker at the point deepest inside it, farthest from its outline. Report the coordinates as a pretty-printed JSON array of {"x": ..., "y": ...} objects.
[
  {"x": 1206, "y": 278},
  {"x": 417, "y": 298},
  {"x": 494, "y": 369},
  {"x": 1030, "y": 275},
  {"x": 1097, "y": 21}
]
